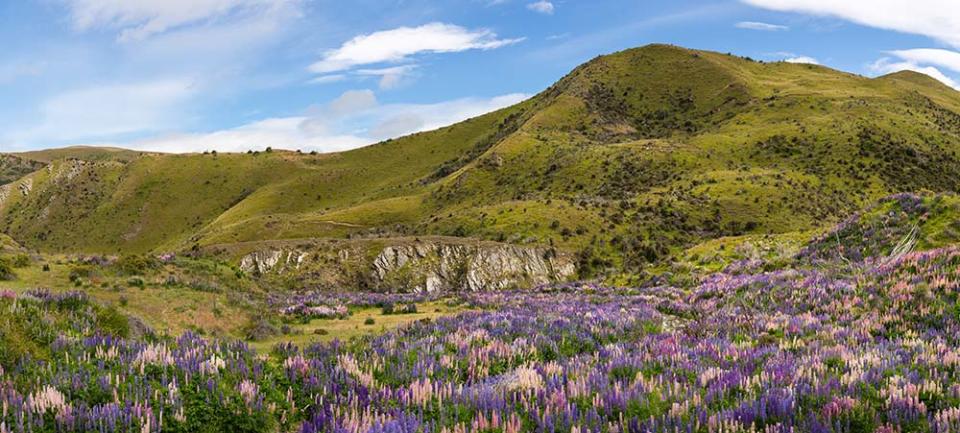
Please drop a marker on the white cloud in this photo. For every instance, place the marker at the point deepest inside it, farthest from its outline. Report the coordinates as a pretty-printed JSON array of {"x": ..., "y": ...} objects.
[
  {"x": 389, "y": 77},
  {"x": 352, "y": 101},
  {"x": 753, "y": 25},
  {"x": 327, "y": 79},
  {"x": 932, "y": 56},
  {"x": 110, "y": 110},
  {"x": 351, "y": 121},
  {"x": 802, "y": 59},
  {"x": 398, "y": 125},
  {"x": 886, "y": 66},
  {"x": 278, "y": 133},
  {"x": 139, "y": 19},
  {"x": 398, "y": 45},
  {"x": 938, "y": 19},
  {"x": 13, "y": 71},
  {"x": 542, "y": 6}
]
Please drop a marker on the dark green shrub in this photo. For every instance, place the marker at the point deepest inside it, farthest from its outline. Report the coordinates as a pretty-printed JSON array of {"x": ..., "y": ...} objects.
[
  {"x": 6, "y": 269},
  {"x": 259, "y": 329},
  {"x": 21, "y": 261},
  {"x": 80, "y": 272},
  {"x": 112, "y": 322},
  {"x": 389, "y": 309},
  {"x": 136, "y": 264}
]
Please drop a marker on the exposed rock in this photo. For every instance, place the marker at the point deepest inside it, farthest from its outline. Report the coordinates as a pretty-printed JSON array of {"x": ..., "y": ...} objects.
[
  {"x": 4, "y": 193},
  {"x": 263, "y": 262},
  {"x": 13, "y": 168},
  {"x": 67, "y": 171},
  {"x": 26, "y": 186},
  {"x": 424, "y": 266}
]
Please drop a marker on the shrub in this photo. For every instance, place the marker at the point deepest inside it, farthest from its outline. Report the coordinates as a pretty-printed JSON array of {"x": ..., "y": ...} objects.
[
  {"x": 136, "y": 264},
  {"x": 369, "y": 321},
  {"x": 112, "y": 322},
  {"x": 389, "y": 309},
  {"x": 21, "y": 261},
  {"x": 79, "y": 272},
  {"x": 6, "y": 269},
  {"x": 259, "y": 329}
]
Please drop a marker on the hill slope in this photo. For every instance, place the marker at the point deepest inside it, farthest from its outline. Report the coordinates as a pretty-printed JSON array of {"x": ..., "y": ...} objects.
[
  {"x": 13, "y": 167},
  {"x": 626, "y": 160}
]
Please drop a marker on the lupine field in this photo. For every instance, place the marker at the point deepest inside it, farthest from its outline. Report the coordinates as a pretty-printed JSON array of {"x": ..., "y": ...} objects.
[{"x": 837, "y": 342}]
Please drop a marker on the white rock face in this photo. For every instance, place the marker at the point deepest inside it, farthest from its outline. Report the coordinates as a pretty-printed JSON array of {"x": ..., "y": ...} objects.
[
  {"x": 26, "y": 187},
  {"x": 437, "y": 266},
  {"x": 4, "y": 193},
  {"x": 263, "y": 262}
]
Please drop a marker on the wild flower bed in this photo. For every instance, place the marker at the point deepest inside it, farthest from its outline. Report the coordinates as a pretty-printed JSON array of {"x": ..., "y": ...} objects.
[
  {"x": 866, "y": 348},
  {"x": 328, "y": 305}
]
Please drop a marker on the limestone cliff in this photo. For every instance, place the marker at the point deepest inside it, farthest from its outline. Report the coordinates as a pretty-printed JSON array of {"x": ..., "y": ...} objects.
[{"x": 422, "y": 265}]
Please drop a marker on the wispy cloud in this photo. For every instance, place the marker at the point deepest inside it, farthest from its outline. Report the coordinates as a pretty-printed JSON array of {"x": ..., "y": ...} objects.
[
  {"x": 932, "y": 56},
  {"x": 542, "y": 6},
  {"x": 754, "y": 25},
  {"x": 137, "y": 20},
  {"x": 802, "y": 59},
  {"x": 938, "y": 19},
  {"x": 887, "y": 65},
  {"x": 391, "y": 77},
  {"x": 401, "y": 44},
  {"x": 106, "y": 111},
  {"x": 327, "y": 79},
  {"x": 10, "y": 72},
  {"x": 352, "y": 120}
]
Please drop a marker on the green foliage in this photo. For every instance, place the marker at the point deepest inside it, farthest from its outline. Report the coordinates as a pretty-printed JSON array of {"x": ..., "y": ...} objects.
[
  {"x": 136, "y": 264},
  {"x": 20, "y": 261},
  {"x": 409, "y": 308},
  {"x": 112, "y": 322},
  {"x": 259, "y": 328},
  {"x": 6, "y": 269}
]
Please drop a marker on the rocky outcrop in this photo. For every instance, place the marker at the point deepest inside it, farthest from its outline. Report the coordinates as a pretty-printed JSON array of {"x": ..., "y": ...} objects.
[
  {"x": 434, "y": 265},
  {"x": 26, "y": 187},
  {"x": 13, "y": 168},
  {"x": 470, "y": 267},
  {"x": 263, "y": 262}
]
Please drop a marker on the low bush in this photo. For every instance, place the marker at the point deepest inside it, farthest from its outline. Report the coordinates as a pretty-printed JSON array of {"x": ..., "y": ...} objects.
[
  {"x": 390, "y": 309},
  {"x": 6, "y": 269}
]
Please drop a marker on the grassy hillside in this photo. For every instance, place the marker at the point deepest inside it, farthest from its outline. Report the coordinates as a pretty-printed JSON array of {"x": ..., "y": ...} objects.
[
  {"x": 87, "y": 153},
  {"x": 629, "y": 159},
  {"x": 13, "y": 167}
]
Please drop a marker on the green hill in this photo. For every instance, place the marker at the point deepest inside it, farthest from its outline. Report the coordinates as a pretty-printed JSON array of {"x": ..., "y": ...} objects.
[
  {"x": 13, "y": 167},
  {"x": 630, "y": 158},
  {"x": 87, "y": 153}
]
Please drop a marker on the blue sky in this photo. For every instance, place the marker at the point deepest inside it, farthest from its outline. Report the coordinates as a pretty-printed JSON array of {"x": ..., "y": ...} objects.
[{"x": 232, "y": 75}]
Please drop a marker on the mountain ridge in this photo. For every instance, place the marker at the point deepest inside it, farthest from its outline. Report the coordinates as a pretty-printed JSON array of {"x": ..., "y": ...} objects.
[{"x": 625, "y": 161}]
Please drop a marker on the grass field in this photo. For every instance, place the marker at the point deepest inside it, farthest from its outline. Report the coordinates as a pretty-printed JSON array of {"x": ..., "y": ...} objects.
[
  {"x": 206, "y": 299},
  {"x": 160, "y": 304},
  {"x": 356, "y": 325}
]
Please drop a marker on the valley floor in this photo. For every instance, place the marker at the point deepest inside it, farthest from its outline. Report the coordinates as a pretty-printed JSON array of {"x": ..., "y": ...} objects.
[{"x": 852, "y": 332}]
